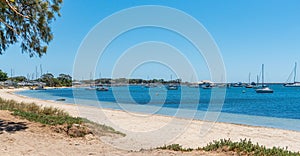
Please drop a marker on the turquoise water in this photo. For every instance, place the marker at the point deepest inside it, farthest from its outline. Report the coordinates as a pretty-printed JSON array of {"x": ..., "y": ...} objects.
[{"x": 241, "y": 105}]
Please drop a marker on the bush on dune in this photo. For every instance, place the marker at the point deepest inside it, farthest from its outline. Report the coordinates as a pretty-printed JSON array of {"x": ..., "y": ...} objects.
[
  {"x": 243, "y": 147},
  {"x": 62, "y": 121}
]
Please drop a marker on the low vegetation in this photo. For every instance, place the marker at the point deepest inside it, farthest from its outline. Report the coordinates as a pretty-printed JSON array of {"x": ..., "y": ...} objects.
[
  {"x": 60, "y": 121},
  {"x": 246, "y": 147},
  {"x": 175, "y": 147},
  {"x": 243, "y": 147}
]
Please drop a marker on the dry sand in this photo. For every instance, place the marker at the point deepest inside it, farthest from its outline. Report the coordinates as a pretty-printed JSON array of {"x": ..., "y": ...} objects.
[
  {"x": 150, "y": 131},
  {"x": 21, "y": 137}
]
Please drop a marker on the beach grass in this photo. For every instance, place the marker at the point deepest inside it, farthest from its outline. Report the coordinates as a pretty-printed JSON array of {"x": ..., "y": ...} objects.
[
  {"x": 246, "y": 147},
  {"x": 73, "y": 126},
  {"x": 175, "y": 147},
  {"x": 243, "y": 147},
  {"x": 35, "y": 113}
]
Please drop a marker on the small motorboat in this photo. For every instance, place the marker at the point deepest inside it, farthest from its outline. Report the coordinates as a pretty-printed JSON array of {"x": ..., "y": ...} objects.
[
  {"x": 172, "y": 87},
  {"x": 61, "y": 99},
  {"x": 102, "y": 89}
]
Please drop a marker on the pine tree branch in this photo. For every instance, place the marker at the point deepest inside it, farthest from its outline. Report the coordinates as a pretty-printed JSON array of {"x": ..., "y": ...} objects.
[
  {"x": 15, "y": 10},
  {"x": 10, "y": 27}
]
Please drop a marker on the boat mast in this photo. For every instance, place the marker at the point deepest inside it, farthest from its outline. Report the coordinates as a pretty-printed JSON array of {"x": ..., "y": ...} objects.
[
  {"x": 262, "y": 82},
  {"x": 249, "y": 77},
  {"x": 295, "y": 72}
]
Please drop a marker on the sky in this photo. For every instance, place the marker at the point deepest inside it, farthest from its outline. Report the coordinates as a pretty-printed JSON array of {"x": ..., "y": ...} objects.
[{"x": 248, "y": 33}]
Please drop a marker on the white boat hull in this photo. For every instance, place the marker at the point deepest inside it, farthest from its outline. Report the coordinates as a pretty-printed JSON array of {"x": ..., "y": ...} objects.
[
  {"x": 292, "y": 85},
  {"x": 264, "y": 90}
]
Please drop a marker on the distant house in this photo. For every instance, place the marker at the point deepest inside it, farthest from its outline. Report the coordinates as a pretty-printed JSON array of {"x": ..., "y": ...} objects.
[
  {"x": 205, "y": 82},
  {"x": 76, "y": 83},
  {"x": 9, "y": 83}
]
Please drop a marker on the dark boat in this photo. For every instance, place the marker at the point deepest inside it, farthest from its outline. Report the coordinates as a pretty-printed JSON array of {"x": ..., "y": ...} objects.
[
  {"x": 102, "y": 89},
  {"x": 61, "y": 99}
]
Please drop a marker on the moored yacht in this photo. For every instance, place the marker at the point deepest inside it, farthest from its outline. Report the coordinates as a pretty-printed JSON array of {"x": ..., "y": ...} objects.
[
  {"x": 263, "y": 88},
  {"x": 293, "y": 84}
]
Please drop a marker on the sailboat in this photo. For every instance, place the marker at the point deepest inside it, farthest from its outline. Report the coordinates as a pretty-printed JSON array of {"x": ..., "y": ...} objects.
[
  {"x": 101, "y": 87},
  {"x": 257, "y": 81},
  {"x": 249, "y": 84},
  {"x": 263, "y": 88},
  {"x": 172, "y": 86},
  {"x": 294, "y": 84}
]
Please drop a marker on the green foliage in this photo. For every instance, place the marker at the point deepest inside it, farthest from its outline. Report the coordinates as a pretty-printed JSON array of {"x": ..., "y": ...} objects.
[
  {"x": 72, "y": 126},
  {"x": 48, "y": 119},
  {"x": 44, "y": 115},
  {"x": 103, "y": 81},
  {"x": 27, "y": 22},
  {"x": 47, "y": 76},
  {"x": 243, "y": 147},
  {"x": 50, "y": 80},
  {"x": 246, "y": 147},
  {"x": 175, "y": 147},
  {"x": 65, "y": 80},
  {"x": 3, "y": 76},
  {"x": 61, "y": 80}
]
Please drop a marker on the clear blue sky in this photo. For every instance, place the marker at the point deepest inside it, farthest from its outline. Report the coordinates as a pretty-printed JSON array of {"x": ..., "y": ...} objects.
[{"x": 248, "y": 33}]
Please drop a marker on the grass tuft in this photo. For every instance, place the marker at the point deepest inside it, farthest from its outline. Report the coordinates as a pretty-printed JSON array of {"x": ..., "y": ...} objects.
[
  {"x": 246, "y": 147},
  {"x": 175, "y": 147},
  {"x": 73, "y": 126},
  {"x": 243, "y": 147}
]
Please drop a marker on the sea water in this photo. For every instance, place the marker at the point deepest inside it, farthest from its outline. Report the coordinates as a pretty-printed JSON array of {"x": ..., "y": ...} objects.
[{"x": 240, "y": 105}]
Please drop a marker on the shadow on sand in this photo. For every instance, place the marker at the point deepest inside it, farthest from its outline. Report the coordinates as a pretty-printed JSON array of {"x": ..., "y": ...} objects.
[{"x": 11, "y": 127}]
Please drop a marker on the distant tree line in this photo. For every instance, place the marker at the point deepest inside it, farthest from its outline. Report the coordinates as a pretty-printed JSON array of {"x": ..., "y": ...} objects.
[
  {"x": 48, "y": 78},
  {"x": 61, "y": 80},
  {"x": 66, "y": 80},
  {"x": 134, "y": 81}
]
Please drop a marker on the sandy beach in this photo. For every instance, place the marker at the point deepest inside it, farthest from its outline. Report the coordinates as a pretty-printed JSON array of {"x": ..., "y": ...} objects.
[{"x": 151, "y": 131}]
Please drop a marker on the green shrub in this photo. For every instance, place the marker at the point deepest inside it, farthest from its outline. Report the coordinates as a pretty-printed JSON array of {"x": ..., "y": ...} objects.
[
  {"x": 55, "y": 116},
  {"x": 246, "y": 147},
  {"x": 36, "y": 113},
  {"x": 243, "y": 147},
  {"x": 175, "y": 147},
  {"x": 48, "y": 119}
]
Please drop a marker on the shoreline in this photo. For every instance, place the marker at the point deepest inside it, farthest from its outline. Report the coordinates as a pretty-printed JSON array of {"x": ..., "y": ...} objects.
[
  {"x": 223, "y": 117},
  {"x": 151, "y": 131}
]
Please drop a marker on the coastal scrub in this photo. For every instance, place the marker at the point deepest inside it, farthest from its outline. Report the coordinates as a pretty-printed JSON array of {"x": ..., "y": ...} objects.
[{"x": 60, "y": 121}]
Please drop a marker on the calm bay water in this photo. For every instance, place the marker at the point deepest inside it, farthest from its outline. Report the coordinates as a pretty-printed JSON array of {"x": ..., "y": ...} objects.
[{"x": 280, "y": 109}]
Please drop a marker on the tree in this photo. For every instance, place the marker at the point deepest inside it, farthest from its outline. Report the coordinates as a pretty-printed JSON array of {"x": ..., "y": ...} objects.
[
  {"x": 3, "y": 76},
  {"x": 65, "y": 80},
  {"x": 27, "y": 22},
  {"x": 50, "y": 80},
  {"x": 47, "y": 76}
]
